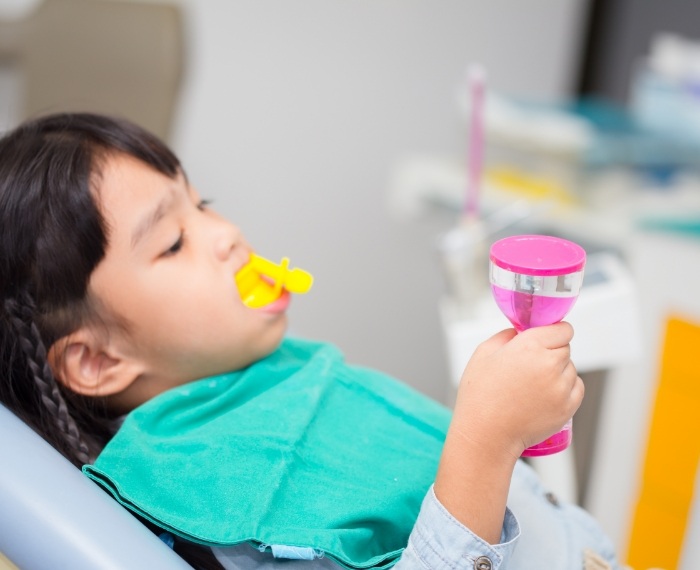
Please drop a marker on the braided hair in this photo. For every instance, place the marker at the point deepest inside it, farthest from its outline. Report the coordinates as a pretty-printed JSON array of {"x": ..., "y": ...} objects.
[{"x": 52, "y": 236}]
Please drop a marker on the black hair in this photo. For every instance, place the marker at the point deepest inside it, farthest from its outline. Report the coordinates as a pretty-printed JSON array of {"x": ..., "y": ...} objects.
[{"x": 52, "y": 236}]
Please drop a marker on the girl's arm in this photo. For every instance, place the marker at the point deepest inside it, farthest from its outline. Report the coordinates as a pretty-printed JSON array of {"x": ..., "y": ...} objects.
[{"x": 516, "y": 391}]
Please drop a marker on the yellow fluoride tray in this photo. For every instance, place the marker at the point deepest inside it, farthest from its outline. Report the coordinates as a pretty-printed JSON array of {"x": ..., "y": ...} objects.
[{"x": 261, "y": 281}]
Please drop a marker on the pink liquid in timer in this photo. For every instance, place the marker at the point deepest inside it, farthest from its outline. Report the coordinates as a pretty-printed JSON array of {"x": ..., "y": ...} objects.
[
  {"x": 525, "y": 310},
  {"x": 553, "y": 444}
]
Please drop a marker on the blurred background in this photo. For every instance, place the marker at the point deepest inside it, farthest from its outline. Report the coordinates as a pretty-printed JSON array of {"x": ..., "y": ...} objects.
[{"x": 339, "y": 134}]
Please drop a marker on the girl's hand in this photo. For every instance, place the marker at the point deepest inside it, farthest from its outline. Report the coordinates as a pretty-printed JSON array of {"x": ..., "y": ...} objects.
[{"x": 517, "y": 390}]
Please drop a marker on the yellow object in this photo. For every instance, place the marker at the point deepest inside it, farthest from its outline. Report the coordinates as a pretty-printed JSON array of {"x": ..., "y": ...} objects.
[
  {"x": 261, "y": 281},
  {"x": 528, "y": 186},
  {"x": 672, "y": 455}
]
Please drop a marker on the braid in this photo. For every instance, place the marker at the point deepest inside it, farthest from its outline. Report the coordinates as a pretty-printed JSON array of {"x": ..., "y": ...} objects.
[{"x": 21, "y": 315}]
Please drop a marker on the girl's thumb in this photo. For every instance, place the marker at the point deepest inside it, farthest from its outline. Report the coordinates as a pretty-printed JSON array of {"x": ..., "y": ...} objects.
[{"x": 499, "y": 339}]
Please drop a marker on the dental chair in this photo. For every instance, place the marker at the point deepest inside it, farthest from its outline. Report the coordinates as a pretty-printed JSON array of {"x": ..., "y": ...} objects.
[
  {"x": 52, "y": 516},
  {"x": 104, "y": 56}
]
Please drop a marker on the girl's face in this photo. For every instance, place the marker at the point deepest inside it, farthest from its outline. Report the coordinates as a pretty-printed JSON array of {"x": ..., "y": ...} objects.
[{"x": 168, "y": 273}]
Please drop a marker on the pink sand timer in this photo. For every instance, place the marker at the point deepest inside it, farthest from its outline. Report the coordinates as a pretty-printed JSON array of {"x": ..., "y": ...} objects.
[{"x": 535, "y": 280}]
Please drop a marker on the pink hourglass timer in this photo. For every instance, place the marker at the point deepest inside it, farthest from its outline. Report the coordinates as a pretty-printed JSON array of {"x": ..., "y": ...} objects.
[{"x": 535, "y": 280}]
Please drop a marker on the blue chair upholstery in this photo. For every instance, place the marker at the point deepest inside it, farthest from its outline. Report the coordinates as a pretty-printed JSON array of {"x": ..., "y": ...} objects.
[{"x": 52, "y": 516}]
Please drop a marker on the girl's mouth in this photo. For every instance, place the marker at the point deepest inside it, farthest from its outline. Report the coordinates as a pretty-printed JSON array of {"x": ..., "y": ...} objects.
[{"x": 279, "y": 305}]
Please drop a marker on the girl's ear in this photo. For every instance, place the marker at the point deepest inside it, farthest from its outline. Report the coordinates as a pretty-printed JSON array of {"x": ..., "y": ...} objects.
[{"x": 90, "y": 366}]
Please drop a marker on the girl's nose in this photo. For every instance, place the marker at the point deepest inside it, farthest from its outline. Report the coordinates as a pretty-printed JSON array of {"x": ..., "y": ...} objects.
[{"x": 226, "y": 237}]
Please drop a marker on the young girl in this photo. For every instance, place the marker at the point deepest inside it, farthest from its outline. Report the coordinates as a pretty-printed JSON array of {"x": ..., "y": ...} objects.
[{"x": 123, "y": 336}]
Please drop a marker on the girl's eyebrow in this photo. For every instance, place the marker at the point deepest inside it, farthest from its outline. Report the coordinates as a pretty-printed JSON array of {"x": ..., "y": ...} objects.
[{"x": 152, "y": 218}]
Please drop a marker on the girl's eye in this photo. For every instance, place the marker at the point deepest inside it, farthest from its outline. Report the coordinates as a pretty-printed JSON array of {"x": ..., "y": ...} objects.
[
  {"x": 203, "y": 204},
  {"x": 177, "y": 246}
]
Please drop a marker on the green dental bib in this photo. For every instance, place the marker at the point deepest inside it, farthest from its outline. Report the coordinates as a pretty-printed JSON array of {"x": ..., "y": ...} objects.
[{"x": 299, "y": 449}]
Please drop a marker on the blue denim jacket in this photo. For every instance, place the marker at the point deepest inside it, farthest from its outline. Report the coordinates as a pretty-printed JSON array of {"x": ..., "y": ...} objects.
[{"x": 538, "y": 532}]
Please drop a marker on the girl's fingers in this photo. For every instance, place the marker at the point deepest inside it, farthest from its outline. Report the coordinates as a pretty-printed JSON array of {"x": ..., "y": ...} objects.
[
  {"x": 563, "y": 354},
  {"x": 570, "y": 371},
  {"x": 498, "y": 340},
  {"x": 552, "y": 336},
  {"x": 577, "y": 391}
]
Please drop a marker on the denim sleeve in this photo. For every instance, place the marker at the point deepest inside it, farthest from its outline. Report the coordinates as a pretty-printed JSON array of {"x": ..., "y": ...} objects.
[{"x": 439, "y": 541}]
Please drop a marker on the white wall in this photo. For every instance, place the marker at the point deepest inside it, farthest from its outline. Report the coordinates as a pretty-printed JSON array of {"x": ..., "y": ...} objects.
[{"x": 294, "y": 113}]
